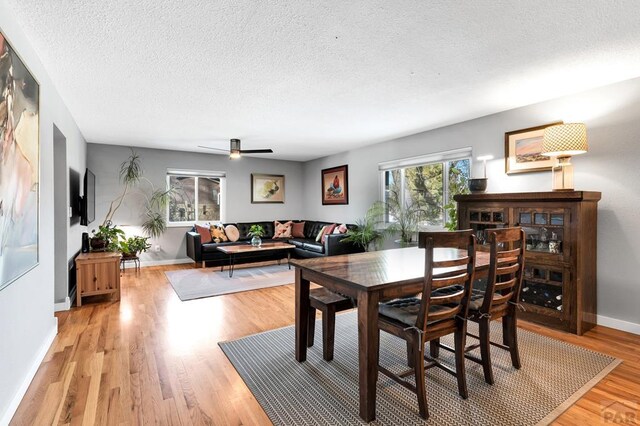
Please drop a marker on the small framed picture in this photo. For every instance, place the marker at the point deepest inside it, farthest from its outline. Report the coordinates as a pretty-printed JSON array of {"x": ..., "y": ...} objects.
[
  {"x": 267, "y": 188},
  {"x": 335, "y": 185},
  {"x": 523, "y": 150}
]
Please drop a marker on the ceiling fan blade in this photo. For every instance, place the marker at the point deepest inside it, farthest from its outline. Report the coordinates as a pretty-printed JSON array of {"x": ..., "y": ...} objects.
[
  {"x": 217, "y": 149},
  {"x": 256, "y": 151}
]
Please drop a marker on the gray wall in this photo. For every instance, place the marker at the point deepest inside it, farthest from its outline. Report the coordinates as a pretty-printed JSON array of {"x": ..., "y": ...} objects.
[
  {"x": 612, "y": 116},
  {"x": 104, "y": 161},
  {"x": 27, "y": 324}
]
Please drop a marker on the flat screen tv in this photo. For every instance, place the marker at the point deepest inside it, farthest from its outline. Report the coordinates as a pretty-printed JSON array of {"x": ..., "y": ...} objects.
[{"x": 88, "y": 203}]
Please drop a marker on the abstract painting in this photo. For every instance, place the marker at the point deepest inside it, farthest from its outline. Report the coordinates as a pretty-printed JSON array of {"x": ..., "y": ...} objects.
[
  {"x": 267, "y": 188},
  {"x": 523, "y": 148},
  {"x": 19, "y": 166},
  {"x": 335, "y": 185}
]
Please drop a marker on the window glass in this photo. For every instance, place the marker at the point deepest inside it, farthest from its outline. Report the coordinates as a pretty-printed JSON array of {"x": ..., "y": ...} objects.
[{"x": 188, "y": 205}]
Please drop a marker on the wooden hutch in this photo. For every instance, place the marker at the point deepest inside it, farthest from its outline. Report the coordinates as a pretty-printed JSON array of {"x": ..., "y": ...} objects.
[{"x": 559, "y": 285}]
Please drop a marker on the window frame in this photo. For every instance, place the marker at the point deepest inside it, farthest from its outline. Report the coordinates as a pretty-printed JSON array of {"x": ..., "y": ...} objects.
[{"x": 197, "y": 174}]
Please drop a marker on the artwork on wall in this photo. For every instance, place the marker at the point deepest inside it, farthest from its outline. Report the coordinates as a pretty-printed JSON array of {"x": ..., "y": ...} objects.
[
  {"x": 19, "y": 166},
  {"x": 267, "y": 188},
  {"x": 523, "y": 148},
  {"x": 335, "y": 185}
]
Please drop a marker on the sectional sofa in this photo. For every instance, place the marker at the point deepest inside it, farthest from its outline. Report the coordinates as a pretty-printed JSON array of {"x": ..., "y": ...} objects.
[{"x": 209, "y": 255}]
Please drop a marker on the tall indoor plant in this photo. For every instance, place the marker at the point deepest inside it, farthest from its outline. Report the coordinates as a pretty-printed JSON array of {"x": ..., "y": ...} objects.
[{"x": 369, "y": 229}]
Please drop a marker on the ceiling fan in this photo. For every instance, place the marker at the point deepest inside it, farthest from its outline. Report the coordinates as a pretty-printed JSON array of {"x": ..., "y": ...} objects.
[{"x": 235, "y": 151}]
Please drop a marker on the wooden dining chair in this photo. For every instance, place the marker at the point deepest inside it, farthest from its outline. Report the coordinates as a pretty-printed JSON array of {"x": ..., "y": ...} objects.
[
  {"x": 500, "y": 299},
  {"x": 328, "y": 303},
  {"x": 441, "y": 310}
]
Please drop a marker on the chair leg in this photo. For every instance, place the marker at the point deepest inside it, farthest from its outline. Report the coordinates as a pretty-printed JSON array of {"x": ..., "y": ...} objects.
[
  {"x": 485, "y": 351},
  {"x": 460, "y": 339},
  {"x": 328, "y": 332},
  {"x": 512, "y": 330},
  {"x": 312, "y": 326},
  {"x": 410, "y": 355},
  {"x": 418, "y": 368},
  {"x": 434, "y": 348},
  {"x": 505, "y": 332}
]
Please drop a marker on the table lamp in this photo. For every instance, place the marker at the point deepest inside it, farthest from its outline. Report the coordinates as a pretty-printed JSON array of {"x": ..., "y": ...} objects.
[{"x": 564, "y": 141}]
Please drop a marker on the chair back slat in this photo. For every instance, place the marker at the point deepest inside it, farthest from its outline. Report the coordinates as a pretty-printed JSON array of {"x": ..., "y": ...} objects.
[
  {"x": 506, "y": 266},
  {"x": 453, "y": 285}
]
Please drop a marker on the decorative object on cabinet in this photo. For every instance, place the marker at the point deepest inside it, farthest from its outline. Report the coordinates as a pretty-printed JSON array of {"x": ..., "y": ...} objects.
[
  {"x": 562, "y": 142},
  {"x": 20, "y": 171},
  {"x": 559, "y": 286},
  {"x": 480, "y": 184},
  {"x": 523, "y": 150},
  {"x": 97, "y": 273},
  {"x": 267, "y": 189},
  {"x": 335, "y": 185}
]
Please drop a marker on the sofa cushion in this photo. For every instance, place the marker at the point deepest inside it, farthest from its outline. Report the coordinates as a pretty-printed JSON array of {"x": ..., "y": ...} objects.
[
  {"x": 311, "y": 228},
  {"x": 217, "y": 233},
  {"x": 211, "y": 247},
  {"x": 314, "y": 247},
  {"x": 328, "y": 230},
  {"x": 244, "y": 229},
  {"x": 205, "y": 233},
  {"x": 232, "y": 233},
  {"x": 282, "y": 230},
  {"x": 297, "y": 229}
]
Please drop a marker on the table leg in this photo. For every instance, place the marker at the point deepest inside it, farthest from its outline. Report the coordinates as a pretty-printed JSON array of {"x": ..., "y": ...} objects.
[
  {"x": 231, "y": 263},
  {"x": 302, "y": 315},
  {"x": 289, "y": 259},
  {"x": 368, "y": 342}
]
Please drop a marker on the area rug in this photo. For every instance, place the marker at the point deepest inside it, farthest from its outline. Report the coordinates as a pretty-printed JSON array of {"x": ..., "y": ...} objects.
[
  {"x": 553, "y": 376},
  {"x": 192, "y": 284}
]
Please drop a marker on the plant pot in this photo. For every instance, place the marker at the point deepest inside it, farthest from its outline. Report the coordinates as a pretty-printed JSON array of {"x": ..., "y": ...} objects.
[
  {"x": 127, "y": 256},
  {"x": 478, "y": 184},
  {"x": 98, "y": 244},
  {"x": 256, "y": 241}
]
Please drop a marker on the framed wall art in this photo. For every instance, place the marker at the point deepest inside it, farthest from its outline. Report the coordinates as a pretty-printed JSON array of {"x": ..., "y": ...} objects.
[
  {"x": 523, "y": 148},
  {"x": 20, "y": 166},
  {"x": 267, "y": 188},
  {"x": 335, "y": 185}
]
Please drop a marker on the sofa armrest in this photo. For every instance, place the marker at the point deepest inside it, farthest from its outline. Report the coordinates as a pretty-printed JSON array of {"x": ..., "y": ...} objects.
[
  {"x": 194, "y": 247},
  {"x": 333, "y": 245}
]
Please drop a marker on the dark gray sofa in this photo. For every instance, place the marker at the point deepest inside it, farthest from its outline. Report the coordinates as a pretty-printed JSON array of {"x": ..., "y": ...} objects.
[{"x": 209, "y": 255}]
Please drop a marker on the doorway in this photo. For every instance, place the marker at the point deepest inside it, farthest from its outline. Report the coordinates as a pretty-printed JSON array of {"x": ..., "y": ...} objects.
[{"x": 61, "y": 220}]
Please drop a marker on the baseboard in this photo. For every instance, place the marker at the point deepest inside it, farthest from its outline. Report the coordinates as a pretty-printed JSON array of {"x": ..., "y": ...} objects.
[
  {"x": 22, "y": 390},
  {"x": 621, "y": 325},
  {"x": 144, "y": 263},
  {"x": 62, "y": 306}
]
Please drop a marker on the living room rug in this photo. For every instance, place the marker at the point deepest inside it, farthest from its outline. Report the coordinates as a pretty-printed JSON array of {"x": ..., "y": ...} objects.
[
  {"x": 192, "y": 284},
  {"x": 553, "y": 376}
]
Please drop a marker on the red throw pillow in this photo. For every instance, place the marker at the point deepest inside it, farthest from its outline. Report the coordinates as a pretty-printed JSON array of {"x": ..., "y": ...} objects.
[
  {"x": 281, "y": 230},
  {"x": 297, "y": 230},
  {"x": 327, "y": 231},
  {"x": 205, "y": 234}
]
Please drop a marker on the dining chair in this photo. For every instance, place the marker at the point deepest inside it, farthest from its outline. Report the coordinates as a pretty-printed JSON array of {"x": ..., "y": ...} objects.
[
  {"x": 500, "y": 298},
  {"x": 328, "y": 303},
  {"x": 441, "y": 310}
]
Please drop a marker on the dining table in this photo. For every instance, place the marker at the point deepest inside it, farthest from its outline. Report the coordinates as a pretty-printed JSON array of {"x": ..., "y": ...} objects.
[{"x": 369, "y": 278}]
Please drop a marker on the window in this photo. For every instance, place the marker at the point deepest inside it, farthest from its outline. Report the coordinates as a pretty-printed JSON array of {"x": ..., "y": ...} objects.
[
  {"x": 424, "y": 186},
  {"x": 196, "y": 197}
]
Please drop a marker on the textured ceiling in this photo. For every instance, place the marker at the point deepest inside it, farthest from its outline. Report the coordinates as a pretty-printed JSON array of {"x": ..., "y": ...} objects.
[{"x": 312, "y": 78}]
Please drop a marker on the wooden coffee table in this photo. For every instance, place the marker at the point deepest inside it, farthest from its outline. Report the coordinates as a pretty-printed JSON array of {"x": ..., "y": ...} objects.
[{"x": 233, "y": 251}]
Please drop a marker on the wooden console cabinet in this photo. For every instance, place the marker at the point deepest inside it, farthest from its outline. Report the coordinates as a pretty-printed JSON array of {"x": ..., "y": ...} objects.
[
  {"x": 559, "y": 285},
  {"x": 97, "y": 273}
]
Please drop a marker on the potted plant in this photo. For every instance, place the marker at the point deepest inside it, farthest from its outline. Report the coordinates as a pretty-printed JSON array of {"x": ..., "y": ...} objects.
[
  {"x": 406, "y": 215},
  {"x": 367, "y": 231},
  {"x": 256, "y": 232},
  {"x": 106, "y": 238},
  {"x": 131, "y": 246}
]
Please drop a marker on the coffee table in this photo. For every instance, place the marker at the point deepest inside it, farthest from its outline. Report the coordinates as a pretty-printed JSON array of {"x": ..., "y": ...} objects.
[{"x": 233, "y": 251}]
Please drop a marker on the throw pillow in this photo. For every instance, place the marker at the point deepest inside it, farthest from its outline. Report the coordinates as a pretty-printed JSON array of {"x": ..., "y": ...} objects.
[
  {"x": 340, "y": 229},
  {"x": 232, "y": 233},
  {"x": 281, "y": 230},
  {"x": 327, "y": 231},
  {"x": 205, "y": 234},
  {"x": 297, "y": 230},
  {"x": 218, "y": 234},
  {"x": 319, "y": 236}
]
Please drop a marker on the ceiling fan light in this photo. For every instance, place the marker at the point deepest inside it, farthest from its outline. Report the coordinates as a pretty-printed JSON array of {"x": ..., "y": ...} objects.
[{"x": 234, "y": 154}]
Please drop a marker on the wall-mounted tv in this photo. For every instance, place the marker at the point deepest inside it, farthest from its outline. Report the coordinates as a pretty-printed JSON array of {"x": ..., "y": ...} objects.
[{"x": 88, "y": 202}]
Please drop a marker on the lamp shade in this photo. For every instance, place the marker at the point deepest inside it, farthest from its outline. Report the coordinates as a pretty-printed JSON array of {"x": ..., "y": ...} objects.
[{"x": 565, "y": 140}]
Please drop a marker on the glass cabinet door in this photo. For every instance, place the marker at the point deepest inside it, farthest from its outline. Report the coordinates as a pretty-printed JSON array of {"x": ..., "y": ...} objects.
[
  {"x": 543, "y": 289},
  {"x": 482, "y": 219},
  {"x": 545, "y": 231}
]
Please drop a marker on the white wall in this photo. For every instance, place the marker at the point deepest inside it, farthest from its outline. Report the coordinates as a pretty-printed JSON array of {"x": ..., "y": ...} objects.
[
  {"x": 27, "y": 324},
  {"x": 104, "y": 161},
  {"x": 612, "y": 166}
]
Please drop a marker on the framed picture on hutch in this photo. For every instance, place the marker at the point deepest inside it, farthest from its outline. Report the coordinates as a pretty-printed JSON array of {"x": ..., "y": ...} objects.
[{"x": 523, "y": 148}]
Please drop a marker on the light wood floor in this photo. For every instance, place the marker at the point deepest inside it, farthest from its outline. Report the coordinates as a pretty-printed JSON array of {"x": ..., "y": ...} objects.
[{"x": 153, "y": 359}]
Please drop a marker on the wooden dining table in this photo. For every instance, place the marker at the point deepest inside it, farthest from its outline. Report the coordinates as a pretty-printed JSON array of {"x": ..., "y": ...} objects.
[{"x": 369, "y": 278}]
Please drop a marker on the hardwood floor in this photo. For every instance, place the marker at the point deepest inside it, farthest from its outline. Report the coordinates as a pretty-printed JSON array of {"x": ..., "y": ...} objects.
[{"x": 151, "y": 358}]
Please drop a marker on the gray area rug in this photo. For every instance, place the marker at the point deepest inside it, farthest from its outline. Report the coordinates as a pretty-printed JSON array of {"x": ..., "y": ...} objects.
[
  {"x": 553, "y": 376},
  {"x": 192, "y": 284}
]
